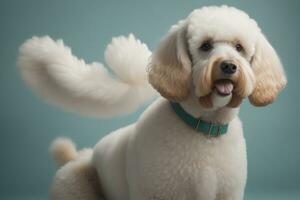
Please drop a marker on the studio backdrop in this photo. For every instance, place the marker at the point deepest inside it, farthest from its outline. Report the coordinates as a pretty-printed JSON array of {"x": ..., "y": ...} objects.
[{"x": 28, "y": 125}]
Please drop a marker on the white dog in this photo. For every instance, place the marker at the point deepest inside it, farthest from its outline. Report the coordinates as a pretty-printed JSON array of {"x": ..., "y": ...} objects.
[{"x": 187, "y": 145}]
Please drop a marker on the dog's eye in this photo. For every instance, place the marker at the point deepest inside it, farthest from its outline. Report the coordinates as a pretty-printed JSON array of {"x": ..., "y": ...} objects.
[
  {"x": 239, "y": 47},
  {"x": 206, "y": 46}
]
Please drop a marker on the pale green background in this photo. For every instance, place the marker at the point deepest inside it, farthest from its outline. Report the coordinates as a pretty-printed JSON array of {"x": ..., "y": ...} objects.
[{"x": 27, "y": 125}]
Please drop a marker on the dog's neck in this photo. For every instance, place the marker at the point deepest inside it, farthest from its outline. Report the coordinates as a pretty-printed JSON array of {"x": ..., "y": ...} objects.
[{"x": 218, "y": 114}]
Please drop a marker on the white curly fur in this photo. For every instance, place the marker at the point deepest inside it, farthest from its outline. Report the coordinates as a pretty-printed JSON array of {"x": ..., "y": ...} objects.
[
  {"x": 159, "y": 156},
  {"x": 50, "y": 70}
]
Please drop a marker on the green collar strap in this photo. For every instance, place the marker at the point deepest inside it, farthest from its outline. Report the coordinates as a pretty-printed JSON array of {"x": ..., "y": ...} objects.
[{"x": 207, "y": 128}]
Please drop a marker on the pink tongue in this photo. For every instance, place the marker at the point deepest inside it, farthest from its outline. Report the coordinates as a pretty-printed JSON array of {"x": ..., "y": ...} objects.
[{"x": 224, "y": 88}]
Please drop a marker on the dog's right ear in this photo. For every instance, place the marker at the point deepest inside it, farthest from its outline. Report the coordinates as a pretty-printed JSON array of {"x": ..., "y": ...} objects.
[
  {"x": 270, "y": 76},
  {"x": 170, "y": 67}
]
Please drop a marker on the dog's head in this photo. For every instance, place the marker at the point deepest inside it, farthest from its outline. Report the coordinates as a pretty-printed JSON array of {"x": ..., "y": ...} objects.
[{"x": 217, "y": 49}]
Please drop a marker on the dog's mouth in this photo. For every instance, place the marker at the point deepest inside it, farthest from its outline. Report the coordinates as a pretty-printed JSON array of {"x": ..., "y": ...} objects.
[{"x": 224, "y": 87}]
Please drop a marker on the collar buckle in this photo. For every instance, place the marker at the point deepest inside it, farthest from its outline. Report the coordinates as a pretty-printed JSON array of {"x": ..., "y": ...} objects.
[
  {"x": 198, "y": 123},
  {"x": 210, "y": 128}
]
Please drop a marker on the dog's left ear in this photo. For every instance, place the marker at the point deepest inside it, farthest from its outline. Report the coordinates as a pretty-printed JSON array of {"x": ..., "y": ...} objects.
[
  {"x": 269, "y": 73},
  {"x": 170, "y": 66}
]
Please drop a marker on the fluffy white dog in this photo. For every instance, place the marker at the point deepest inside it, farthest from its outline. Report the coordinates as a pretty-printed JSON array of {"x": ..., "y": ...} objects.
[{"x": 187, "y": 145}]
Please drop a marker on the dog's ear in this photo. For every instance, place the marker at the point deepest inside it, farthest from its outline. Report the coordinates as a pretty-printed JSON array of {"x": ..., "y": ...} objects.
[
  {"x": 170, "y": 67},
  {"x": 269, "y": 73}
]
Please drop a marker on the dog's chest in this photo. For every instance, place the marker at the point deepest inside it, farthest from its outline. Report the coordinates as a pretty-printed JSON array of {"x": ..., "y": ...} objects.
[{"x": 173, "y": 160}]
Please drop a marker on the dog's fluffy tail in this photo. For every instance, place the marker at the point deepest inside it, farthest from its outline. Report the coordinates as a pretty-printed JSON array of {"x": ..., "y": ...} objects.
[
  {"x": 50, "y": 70},
  {"x": 63, "y": 151}
]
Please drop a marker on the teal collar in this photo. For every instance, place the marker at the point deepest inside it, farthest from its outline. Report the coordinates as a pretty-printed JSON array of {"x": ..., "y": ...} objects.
[{"x": 207, "y": 128}]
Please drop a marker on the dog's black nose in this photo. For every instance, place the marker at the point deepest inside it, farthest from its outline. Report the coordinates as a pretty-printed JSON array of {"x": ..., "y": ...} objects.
[{"x": 228, "y": 67}]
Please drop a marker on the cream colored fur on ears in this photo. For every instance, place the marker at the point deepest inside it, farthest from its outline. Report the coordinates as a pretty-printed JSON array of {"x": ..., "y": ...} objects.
[
  {"x": 170, "y": 67},
  {"x": 51, "y": 71},
  {"x": 269, "y": 73}
]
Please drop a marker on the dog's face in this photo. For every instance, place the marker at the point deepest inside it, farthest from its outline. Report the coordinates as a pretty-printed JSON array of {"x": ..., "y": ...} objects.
[{"x": 221, "y": 50}]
